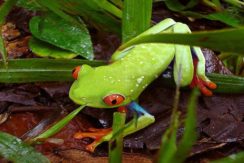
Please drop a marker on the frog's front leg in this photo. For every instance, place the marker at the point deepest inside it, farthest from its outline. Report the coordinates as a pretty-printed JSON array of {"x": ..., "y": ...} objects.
[
  {"x": 199, "y": 78},
  {"x": 102, "y": 135}
]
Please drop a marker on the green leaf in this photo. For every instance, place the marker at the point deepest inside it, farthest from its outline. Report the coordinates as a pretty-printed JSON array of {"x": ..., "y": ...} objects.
[
  {"x": 44, "y": 49},
  {"x": 234, "y": 158},
  {"x": 228, "y": 40},
  {"x": 58, "y": 126},
  {"x": 33, "y": 70},
  {"x": 224, "y": 17},
  {"x": 190, "y": 135},
  {"x": 15, "y": 150},
  {"x": 118, "y": 3},
  {"x": 135, "y": 19},
  {"x": 116, "y": 144},
  {"x": 100, "y": 13},
  {"x": 177, "y": 6},
  {"x": 237, "y": 3},
  {"x": 227, "y": 83},
  {"x": 56, "y": 31},
  {"x": 29, "y": 4},
  {"x": 168, "y": 146},
  {"x": 4, "y": 10}
]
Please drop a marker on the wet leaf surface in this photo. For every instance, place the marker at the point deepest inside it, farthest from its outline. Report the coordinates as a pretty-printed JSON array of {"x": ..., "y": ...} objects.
[
  {"x": 44, "y": 49},
  {"x": 56, "y": 31}
]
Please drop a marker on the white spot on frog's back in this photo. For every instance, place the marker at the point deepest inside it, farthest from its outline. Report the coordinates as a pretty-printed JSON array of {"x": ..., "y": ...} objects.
[
  {"x": 140, "y": 79},
  {"x": 144, "y": 86}
]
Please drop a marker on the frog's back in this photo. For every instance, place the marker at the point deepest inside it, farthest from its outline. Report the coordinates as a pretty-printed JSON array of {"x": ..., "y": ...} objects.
[{"x": 142, "y": 64}]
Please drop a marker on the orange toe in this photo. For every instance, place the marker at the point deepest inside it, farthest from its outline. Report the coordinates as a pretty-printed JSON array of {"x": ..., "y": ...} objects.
[{"x": 93, "y": 133}]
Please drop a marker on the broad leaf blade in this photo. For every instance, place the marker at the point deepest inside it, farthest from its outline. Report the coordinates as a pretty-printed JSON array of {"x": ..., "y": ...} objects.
[
  {"x": 43, "y": 49},
  {"x": 56, "y": 31},
  {"x": 228, "y": 40},
  {"x": 177, "y": 6},
  {"x": 15, "y": 150},
  {"x": 33, "y": 70},
  {"x": 223, "y": 17},
  {"x": 136, "y": 18},
  {"x": 227, "y": 83},
  {"x": 95, "y": 12}
]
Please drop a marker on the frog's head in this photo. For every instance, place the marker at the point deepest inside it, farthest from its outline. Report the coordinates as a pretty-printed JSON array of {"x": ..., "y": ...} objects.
[{"x": 93, "y": 88}]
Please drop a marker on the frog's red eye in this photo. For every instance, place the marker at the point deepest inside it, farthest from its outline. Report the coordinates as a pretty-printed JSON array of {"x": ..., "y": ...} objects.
[
  {"x": 76, "y": 71},
  {"x": 113, "y": 99}
]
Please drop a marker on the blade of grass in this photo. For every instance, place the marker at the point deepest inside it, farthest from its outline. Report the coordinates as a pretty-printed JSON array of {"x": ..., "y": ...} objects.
[
  {"x": 116, "y": 144},
  {"x": 228, "y": 40},
  {"x": 102, "y": 15},
  {"x": 58, "y": 126},
  {"x": 15, "y": 150},
  {"x": 177, "y": 6},
  {"x": 4, "y": 10},
  {"x": 190, "y": 135},
  {"x": 225, "y": 83},
  {"x": 36, "y": 70},
  {"x": 168, "y": 146},
  {"x": 33, "y": 70},
  {"x": 234, "y": 158},
  {"x": 118, "y": 3},
  {"x": 136, "y": 18},
  {"x": 109, "y": 7}
]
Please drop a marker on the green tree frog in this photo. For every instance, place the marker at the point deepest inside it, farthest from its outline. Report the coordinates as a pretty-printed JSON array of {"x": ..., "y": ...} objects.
[{"x": 131, "y": 70}]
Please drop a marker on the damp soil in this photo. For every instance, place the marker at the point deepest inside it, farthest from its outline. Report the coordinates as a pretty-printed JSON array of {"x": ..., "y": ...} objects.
[{"x": 28, "y": 109}]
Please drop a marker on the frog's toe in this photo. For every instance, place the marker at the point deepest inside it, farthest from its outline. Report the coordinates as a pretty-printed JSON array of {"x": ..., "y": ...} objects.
[
  {"x": 205, "y": 86},
  {"x": 96, "y": 134},
  {"x": 200, "y": 81}
]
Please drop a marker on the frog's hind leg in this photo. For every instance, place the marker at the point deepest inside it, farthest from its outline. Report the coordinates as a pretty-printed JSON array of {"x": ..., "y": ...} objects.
[
  {"x": 199, "y": 78},
  {"x": 102, "y": 135}
]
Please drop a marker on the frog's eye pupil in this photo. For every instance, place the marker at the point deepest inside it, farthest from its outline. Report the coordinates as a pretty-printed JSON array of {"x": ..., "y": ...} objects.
[
  {"x": 114, "y": 102},
  {"x": 113, "y": 99},
  {"x": 75, "y": 72}
]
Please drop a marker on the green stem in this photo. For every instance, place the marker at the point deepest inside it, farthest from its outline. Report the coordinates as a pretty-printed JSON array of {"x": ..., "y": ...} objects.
[
  {"x": 236, "y": 3},
  {"x": 116, "y": 144},
  {"x": 109, "y": 7}
]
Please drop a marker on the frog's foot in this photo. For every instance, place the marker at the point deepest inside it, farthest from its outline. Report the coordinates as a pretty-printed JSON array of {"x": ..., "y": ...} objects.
[
  {"x": 203, "y": 83},
  {"x": 94, "y": 133}
]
